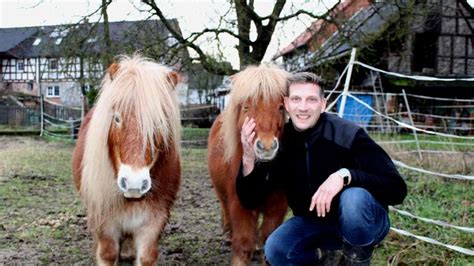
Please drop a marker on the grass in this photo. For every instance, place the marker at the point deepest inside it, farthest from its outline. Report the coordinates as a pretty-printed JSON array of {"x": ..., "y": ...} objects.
[
  {"x": 189, "y": 133},
  {"x": 42, "y": 219},
  {"x": 427, "y": 142},
  {"x": 38, "y": 198}
]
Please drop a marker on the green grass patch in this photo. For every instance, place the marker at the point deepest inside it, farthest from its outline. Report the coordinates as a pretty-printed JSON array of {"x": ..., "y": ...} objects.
[
  {"x": 426, "y": 142},
  {"x": 42, "y": 219},
  {"x": 189, "y": 133}
]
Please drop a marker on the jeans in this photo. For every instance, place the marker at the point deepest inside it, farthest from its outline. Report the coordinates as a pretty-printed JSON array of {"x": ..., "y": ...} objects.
[{"x": 362, "y": 222}]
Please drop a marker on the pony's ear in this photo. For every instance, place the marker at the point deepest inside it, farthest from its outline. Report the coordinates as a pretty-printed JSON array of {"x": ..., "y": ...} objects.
[
  {"x": 112, "y": 70},
  {"x": 174, "y": 78}
]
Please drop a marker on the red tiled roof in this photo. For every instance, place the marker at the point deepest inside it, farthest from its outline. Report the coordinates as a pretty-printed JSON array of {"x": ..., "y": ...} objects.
[
  {"x": 305, "y": 37},
  {"x": 302, "y": 39}
]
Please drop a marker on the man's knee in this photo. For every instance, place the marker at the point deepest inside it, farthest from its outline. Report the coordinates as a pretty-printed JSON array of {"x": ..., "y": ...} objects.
[
  {"x": 362, "y": 219},
  {"x": 274, "y": 252},
  {"x": 354, "y": 204}
]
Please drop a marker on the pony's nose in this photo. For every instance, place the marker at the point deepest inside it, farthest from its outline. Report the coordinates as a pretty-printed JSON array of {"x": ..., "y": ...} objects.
[
  {"x": 266, "y": 152},
  {"x": 133, "y": 183},
  {"x": 261, "y": 146}
]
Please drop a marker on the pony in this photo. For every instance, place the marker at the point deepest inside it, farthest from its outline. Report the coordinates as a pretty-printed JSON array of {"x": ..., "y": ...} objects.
[
  {"x": 256, "y": 92},
  {"x": 126, "y": 163}
]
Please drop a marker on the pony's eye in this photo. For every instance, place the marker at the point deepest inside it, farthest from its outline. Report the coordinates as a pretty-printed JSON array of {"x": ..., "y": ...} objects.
[
  {"x": 117, "y": 118},
  {"x": 245, "y": 108}
]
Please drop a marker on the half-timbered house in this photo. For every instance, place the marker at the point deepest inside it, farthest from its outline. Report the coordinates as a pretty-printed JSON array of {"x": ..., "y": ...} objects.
[
  {"x": 412, "y": 37},
  {"x": 62, "y": 62},
  {"x": 437, "y": 38}
]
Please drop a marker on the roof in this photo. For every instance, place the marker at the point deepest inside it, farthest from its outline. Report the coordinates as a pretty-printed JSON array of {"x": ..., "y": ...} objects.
[
  {"x": 360, "y": 27},
  {"x": 11, "y": 37},
  {"x": 344, "y": 9},
  {"x": 20, "y": 42},
  {"x": 370, "y": 18},
  {"x": 302, "y": 39}
]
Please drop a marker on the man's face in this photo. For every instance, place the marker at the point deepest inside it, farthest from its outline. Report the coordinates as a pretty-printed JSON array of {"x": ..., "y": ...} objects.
[{"x": 304, "y": 105}]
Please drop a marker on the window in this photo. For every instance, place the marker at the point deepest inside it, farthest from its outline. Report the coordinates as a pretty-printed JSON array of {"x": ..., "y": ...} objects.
[
  {"x": 20, "y": 66},
  {"x": 53, "y": 64},
  {"x": 53, "y": 91},
  {"x": 57, "y": 32},
  {"x": 37, "y": 41},
  {"x": 424, "y": 52}
]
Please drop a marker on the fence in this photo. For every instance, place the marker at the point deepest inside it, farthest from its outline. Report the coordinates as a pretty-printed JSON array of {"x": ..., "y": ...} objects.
[{"x": 16, "y": 116}]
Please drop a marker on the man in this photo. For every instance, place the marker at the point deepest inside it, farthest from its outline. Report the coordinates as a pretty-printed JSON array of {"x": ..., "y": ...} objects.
[{"x": 338, "y": 182}]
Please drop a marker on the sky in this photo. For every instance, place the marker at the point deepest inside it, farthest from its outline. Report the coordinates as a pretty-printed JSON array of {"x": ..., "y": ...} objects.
[{"x": 192, "y": 16}]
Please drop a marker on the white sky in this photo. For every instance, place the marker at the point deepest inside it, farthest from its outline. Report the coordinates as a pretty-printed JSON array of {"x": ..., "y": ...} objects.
[{"x": 192, "y": 16}]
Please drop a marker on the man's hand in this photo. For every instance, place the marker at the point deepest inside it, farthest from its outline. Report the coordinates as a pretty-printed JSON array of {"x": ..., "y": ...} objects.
[
  {"x": 246, "y": 137},
  {"x": 325, "y": 193}
]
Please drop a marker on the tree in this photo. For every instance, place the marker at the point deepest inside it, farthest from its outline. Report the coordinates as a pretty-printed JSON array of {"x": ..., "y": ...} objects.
[
  {"x": 90, "y": 47},
  {"x": 251, "y": 50}
]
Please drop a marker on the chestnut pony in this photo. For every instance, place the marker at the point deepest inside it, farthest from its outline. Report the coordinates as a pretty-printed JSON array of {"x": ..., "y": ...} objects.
[
  {"x": 256, "y": 92},
  {"x": 126, "y": 163}
]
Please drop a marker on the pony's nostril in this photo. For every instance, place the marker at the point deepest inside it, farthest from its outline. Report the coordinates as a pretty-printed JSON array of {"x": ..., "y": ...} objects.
[
  {"x": 123, "y": 183},
  {"x": 144, "y": 185},
  {"x": 274, "y": 144},
  {"x": 260, "y": 145}
]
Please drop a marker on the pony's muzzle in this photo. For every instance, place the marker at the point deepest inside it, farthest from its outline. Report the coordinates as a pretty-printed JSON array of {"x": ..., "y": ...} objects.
[
  {"x": 266, "y": 152},
  {"x": 133, "y": 183}
]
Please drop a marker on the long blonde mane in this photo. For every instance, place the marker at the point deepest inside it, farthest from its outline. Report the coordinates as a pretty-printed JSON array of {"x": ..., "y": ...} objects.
[
  {"x": 267, "y": 82},
  {"x": 139, "y": 87}
]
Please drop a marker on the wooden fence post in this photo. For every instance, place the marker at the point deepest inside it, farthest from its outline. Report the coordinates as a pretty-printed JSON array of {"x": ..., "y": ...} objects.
[{"x": 41, "y": 115}]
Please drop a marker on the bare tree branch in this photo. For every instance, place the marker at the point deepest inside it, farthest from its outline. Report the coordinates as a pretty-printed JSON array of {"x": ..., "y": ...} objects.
[{"x": 205, "y": 61}]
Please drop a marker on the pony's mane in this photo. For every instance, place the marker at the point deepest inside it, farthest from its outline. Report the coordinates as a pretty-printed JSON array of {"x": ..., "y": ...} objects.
[
  {"x": 266, "y": 82},
  {"x": 139, "y": 87}
]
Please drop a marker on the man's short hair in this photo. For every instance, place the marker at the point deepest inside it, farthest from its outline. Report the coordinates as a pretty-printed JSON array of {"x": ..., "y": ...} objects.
[{"x": 305, "y": 77}]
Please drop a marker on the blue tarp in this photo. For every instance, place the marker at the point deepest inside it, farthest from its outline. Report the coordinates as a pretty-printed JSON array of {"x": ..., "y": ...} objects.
[{"x": 355, "y": 111}]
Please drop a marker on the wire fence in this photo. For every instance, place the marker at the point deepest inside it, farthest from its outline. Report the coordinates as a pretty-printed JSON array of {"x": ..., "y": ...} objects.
[
  {"x": 449, "y": 119},
  {"x": 453, "y": 126}
]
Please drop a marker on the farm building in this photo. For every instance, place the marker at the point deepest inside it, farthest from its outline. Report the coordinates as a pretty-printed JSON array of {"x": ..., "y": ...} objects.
[
  {"x": 62, "y": 62},
  {"x": 424, "y": 38},
  {"x": 65, "y": 62}
]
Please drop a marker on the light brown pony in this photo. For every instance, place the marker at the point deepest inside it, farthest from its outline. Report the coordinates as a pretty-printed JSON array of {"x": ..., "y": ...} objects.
[
  {"x": 256, "y": 92},
  {"x": 126, "y": 163}
]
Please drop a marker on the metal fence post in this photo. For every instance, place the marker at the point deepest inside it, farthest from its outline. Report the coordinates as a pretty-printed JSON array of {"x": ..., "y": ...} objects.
[{"x": 346, "y": 84}]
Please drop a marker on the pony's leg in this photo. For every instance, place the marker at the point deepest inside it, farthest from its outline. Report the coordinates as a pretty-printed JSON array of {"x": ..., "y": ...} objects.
[
  {"x": 226, "y": 224},
  {"x": 146, "y": 241},
  {"x": 244, "y": 233},
  {"x": 127, "y": 248},
  {"x": 107, "y": 249},
  {"x": 274, "y": 211}
]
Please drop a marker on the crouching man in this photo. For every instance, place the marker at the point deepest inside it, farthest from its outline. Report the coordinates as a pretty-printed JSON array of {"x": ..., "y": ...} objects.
[{"x": 337, "y": 180}]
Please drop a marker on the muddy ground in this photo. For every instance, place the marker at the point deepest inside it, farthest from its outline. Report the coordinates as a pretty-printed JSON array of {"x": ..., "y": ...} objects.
[{"x": 42, "y": 220}]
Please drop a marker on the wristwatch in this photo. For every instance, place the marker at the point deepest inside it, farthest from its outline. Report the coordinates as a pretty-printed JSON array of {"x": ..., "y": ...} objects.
[{"x": 345, "y": 175}]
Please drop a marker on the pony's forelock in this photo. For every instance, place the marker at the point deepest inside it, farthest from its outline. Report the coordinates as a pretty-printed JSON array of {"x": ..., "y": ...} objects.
[
  {"x": 141, "y": 87},
  {"x": 266, "y": 82}
]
